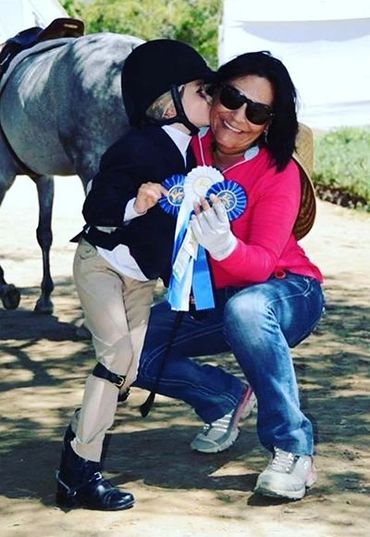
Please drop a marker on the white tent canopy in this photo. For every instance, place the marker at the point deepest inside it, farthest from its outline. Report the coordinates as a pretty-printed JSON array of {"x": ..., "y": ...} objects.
[
  {"x": 325, "y": 45},
  {"x": 17, "y": 15}
]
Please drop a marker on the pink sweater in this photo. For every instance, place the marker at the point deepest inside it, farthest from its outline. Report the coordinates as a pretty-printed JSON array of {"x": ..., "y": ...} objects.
[{"x": 266, "y": 244}]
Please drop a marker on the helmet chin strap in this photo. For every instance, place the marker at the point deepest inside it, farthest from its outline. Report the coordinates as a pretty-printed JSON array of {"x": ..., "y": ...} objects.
[
  {"x": 180, "y": 116},
  {"x": 180, "y": 112}
]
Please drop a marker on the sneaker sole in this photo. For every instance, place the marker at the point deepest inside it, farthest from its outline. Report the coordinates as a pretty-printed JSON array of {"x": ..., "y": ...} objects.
[{"x": 297, "y": 495}]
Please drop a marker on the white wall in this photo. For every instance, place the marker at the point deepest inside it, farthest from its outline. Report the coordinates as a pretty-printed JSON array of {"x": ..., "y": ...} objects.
[
  {"x": 325, "y": 44},
  {"x": 17, "y": 15}
]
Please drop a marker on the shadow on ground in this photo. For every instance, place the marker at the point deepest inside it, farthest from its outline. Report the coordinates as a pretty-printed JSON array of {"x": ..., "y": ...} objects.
[{"x": 44, "y": 366}]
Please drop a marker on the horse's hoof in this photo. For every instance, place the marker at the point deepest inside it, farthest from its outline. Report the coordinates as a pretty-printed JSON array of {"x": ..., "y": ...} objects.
[
  {"x": 11, "y": 297},
  {"x": 46, "y": 307}
]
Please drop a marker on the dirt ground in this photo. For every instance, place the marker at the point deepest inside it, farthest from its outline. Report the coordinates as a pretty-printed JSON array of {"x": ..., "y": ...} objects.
[{"x": 178, "y": 493}]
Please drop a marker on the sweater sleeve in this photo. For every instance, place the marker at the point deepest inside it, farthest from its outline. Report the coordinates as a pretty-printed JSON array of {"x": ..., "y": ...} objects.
[{"x": 265, "y": 232}]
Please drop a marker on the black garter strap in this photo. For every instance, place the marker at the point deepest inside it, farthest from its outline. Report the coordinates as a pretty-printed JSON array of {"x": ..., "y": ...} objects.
[{"x": 102, "y": 372}]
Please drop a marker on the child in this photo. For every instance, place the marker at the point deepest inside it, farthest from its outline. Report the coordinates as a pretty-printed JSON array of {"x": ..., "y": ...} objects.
[{"x": 126, "y": 245}]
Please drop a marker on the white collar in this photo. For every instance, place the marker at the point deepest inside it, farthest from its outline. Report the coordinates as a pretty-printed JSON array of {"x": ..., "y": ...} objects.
[{"x": 181, "y": 139}]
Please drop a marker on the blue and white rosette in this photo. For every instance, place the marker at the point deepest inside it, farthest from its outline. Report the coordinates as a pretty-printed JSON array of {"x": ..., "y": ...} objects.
[
  {"x": 232, "y": 195},
  {"x": 172, "y": 202},
  {"x": 190, "y": 267}
]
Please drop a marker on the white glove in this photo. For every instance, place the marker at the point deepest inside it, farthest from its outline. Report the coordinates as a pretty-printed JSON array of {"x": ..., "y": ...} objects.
[{"x": 212, "y": 230}]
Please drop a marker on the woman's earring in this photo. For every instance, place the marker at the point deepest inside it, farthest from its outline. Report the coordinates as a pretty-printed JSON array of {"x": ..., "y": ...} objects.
[{"x": 265, "y": 135}]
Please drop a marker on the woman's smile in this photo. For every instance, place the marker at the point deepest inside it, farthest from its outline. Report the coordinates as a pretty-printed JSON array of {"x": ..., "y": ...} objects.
[{"x": 231, "y": 127}]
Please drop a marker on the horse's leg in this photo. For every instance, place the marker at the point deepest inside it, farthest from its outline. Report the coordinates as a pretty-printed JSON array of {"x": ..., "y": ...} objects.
[
  {"x": 45, "y": 192},
  {"x": 9, "y": 294}
]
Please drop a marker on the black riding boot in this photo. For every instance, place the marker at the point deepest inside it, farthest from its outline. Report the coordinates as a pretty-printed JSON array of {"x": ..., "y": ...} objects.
[{"x": 81, "y": 484}]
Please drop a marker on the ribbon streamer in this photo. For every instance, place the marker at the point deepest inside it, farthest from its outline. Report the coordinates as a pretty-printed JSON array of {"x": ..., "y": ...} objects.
[{"x": 190, "y": 267}]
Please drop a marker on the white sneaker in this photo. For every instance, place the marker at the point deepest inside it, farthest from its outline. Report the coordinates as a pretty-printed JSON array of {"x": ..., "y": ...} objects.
[
  {"x": 222, "y": 433},
  {"x": 286, "y": 476}
]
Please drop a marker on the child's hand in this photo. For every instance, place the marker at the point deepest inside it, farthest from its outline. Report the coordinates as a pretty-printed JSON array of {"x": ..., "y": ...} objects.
[{"x": 148, "y": 195}]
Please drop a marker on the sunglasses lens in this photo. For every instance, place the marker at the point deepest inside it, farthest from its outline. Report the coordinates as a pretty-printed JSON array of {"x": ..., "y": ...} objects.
[
  {"x": 257, "y": 114},
  {"x": 232, "y": 99}
]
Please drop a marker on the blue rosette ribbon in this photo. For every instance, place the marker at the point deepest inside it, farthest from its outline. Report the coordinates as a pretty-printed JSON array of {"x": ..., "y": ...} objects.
[
  {"x": 232, "y": 195},
  {"x": 172, "y": 202}
]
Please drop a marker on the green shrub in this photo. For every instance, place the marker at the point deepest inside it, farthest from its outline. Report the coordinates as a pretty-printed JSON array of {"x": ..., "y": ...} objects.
[
  {"x": 74, "y": 8},
  {"x": 342, "y": 162},
  {"x": 193, "y": 21}
]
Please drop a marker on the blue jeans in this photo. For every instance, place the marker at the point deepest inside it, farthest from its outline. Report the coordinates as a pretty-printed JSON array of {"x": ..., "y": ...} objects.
[{"x": 258, "y": 324}]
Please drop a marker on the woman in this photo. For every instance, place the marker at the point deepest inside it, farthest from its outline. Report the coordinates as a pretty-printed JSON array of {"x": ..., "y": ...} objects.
[{"x": 268, "y": 293}]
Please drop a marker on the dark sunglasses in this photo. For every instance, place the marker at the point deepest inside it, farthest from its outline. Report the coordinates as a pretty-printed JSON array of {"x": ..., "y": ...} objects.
[{"x": 232, "y": 98}]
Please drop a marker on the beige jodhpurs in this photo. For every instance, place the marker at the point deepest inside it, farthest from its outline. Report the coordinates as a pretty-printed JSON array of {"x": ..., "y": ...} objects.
[{"x": 116, "y": 310}]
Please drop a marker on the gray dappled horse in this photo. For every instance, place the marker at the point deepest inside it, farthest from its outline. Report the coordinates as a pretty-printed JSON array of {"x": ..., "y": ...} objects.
[{"x": 60, "y": 109}]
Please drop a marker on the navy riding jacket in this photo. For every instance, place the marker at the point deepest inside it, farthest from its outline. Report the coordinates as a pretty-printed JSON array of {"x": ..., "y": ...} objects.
[{"x": 141, "y": 155}]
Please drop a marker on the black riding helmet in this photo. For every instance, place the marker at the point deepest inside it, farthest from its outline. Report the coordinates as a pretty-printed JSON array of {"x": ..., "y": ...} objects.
[{"x": 155, "y": 68}]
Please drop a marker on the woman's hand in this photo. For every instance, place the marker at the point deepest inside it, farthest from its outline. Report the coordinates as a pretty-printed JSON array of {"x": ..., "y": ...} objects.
[
  {"x": 148, "y": 196},
  {"x": 211, "y": 228}
]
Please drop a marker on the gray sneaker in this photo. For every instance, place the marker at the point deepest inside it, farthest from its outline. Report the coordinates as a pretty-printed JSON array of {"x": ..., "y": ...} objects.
[
  {"x": 286, "y": 476},
  {"x": 222, "y": 433}
]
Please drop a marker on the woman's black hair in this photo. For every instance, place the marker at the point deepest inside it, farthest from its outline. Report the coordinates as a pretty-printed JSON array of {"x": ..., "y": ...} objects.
[{"x": 282, "y": 131}]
